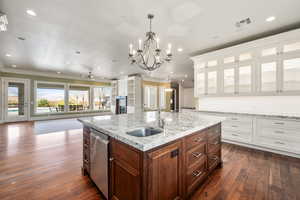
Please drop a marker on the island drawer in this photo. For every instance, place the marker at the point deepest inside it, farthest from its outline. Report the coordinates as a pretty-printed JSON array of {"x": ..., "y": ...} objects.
[
  {"x": 214, "y": 159},
  {"x": 214, "y": 131},
  {"x": 214, "y": 144},
  {"x": 196, "y": 154},
  {"x": 195, "y": 140},
  {"x": 125, "y": 153},
  {"x": 196, "y": 176}
]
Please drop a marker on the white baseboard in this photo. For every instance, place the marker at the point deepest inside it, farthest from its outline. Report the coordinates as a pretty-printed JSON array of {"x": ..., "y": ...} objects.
[{"x": 252, "y": 146}]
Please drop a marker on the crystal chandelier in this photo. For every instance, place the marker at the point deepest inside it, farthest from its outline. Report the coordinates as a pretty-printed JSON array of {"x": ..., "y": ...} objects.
[{"x": 149, "y": 56}]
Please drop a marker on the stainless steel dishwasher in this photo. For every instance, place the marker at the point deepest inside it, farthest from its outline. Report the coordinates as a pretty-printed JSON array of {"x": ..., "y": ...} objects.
[{"x": 99, "y": 160}]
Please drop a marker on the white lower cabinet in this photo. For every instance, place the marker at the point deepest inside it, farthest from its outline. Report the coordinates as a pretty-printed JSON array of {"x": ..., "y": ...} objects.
[
  {"x": 237, "y": 129},
  {"x": 265, "y": 133}
]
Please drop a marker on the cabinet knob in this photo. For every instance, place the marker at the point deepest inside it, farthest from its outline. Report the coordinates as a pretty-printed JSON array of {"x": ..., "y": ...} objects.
[{"x": 111, "y": 159}]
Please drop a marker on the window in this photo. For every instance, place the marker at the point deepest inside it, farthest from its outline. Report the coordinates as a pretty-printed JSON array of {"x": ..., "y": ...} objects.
[
  {"x": 79, "y": 98},
  {"x": 245, "y": 79},
  {"x": 268, "y": 76},
  {"x": 212, "y": 82},
  {"x": 150, "y": 97},
  {"x": 50, "y": 98},
  {"x": 102, "y": 98},
  {"x": 229, "y": 80},
  {"x": 291, "y": 74}
]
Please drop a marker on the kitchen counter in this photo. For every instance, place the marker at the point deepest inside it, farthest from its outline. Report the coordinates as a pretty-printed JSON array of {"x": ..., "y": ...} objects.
[
  {"x": 293, "y": 116},
  {"x": 178, "y": 125}
]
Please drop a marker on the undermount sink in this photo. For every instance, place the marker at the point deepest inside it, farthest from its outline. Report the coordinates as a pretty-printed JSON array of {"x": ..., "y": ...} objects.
[{"x": 144, "y": 132}]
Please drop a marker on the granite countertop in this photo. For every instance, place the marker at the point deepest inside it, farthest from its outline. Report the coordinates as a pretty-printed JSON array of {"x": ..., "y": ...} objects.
[
  {"x": 294, "y": 116},
  {"x": 178, "y": 125}
]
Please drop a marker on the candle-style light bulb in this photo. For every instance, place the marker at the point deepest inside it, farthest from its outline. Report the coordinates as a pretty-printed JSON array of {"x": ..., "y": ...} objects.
[
  {"x": 157, "y": 43},
  {"x": 140, "y": 44},
  {"x": 133, "y": 52},
  {"x": 130, "y": 49}
]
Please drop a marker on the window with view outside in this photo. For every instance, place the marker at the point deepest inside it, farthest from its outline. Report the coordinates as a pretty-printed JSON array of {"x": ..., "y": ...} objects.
[
  {"x": 50, "y": 98},
  {"x": 102, "y": 98},
  {"x": 79, "y": 98}
]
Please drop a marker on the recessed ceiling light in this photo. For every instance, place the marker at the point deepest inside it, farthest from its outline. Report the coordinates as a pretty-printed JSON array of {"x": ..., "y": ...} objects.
[
  {"x": 171, "y": 72},
  {"x": 31, "y": 13},
  {"x": 58, "y": 72},
  {"x": 8, "y": 55},
  {"x": 13, "y": 66},
  {"x": 77, "y": 52},
  {"x": 270, "y": 19},
  {"x": 179, "y": 49}
]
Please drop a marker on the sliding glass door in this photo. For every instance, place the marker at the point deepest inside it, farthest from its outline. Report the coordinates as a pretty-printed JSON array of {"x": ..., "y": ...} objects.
[{"x": 16, "y": 101}]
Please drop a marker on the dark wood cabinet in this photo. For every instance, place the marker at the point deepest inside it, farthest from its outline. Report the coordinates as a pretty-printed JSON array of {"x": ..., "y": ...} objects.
[
  {"x": 165, "y": 173},
  {"x": 169, "y": 172},
  {"x": 125, "y": 177}
]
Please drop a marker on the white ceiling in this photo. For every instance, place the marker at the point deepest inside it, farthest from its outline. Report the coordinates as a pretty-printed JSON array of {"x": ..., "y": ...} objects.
[{"x": 101, "y": 31}]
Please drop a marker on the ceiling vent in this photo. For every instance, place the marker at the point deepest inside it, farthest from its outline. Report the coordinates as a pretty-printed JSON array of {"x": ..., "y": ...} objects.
[
  {"x": 3, "y": 22},
  {"x": 243, "y": 23}
]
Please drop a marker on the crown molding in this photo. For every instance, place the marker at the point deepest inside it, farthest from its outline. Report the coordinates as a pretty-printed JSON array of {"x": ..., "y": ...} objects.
[{"x": 48, "y": 74}]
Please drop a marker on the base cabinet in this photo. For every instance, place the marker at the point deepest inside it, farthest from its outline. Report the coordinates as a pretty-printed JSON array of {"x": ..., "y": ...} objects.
[
  {"x": 165, "y": 173},
  {"x": 169, "y": 172}
]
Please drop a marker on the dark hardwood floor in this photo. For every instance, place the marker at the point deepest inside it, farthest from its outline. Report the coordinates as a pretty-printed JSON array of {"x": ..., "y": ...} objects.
[{"x": 37, "y": 167}]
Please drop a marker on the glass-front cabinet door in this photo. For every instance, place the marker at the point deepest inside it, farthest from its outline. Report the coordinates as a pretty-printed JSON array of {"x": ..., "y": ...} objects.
[
  {"x": 212, "y": 82},
  {"x": 200, "y": 83},
  {"x": 290, "y": 68},
  {"x": 229, "y": 80},
  {"x": 268, "y": 76},
  {"x": 245, "y": 82},
  {"x": 16, "y": 100}
]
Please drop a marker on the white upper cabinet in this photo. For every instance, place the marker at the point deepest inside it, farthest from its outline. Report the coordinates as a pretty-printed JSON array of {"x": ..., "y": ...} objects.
[
  {"x": 229, "y": 80},
  {"x": 291, "y": 74},
  {"x": 266, "y": 66},
  {"x": 212, "y": 81},
  {"x": 245, "y": 79}
]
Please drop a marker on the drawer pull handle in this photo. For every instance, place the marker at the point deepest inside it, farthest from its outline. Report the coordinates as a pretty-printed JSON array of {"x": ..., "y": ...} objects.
[
  {"x": 234, "y": 119},
  {"x": 279, "y": 123},
  {"x": 196, "y": 155},
  {"x": 281, "y": 143},
  {"x": 234, "y": 134},
  {"x": 233, "y": 126},
  {"x": 86, "y": 160},
  {"x": 197, "y": 173},
  {"x": 279, "y": 132}
]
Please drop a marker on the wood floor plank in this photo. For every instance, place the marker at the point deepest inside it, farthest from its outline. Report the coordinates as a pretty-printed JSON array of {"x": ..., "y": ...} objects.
[{"x": 38, "y": 167}]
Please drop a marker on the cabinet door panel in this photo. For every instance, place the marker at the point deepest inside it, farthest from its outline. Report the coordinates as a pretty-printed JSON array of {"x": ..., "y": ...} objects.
[
  {"x": 245, "y": 79},
  {"x": 125, "y": 182},
  {"x": 268, "y": 79},
  {"x": 212, "y": 82},
  {"x": 229, "y": 80},
  {"x": 291, "y": 74},
  {"x": 165, "y": 173}
]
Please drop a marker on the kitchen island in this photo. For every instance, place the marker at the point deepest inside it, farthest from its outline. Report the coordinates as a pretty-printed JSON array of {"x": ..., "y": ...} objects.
[{"x": 168, "y": 164}]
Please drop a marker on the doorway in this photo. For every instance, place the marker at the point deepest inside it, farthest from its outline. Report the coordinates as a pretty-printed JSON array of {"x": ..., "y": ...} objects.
[{"x": 15, "y": 99}]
